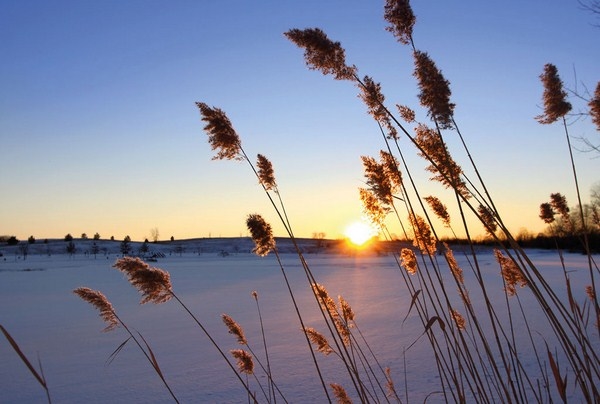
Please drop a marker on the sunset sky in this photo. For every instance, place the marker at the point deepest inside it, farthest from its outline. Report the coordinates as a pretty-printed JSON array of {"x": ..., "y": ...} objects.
[{"x": 99, "y": 131}]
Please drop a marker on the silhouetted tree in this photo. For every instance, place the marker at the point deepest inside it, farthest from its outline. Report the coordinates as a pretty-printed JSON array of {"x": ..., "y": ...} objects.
[
  {"x": 68, "y": 237},
  {"x": 97, "y": 236},
  {"x": 84, "y": 236},
  {"x": 31, "y": 240},
  {"x": 144, "y": 247},
  {"x": 172, "y": 238},
  {"x": 125, "y": 247},
  {"x": 12, "y": 240},
  {"x": 71, "y": 249},
  {"x": 95, "y": 249},
  {"x": 112, "y": 238}
]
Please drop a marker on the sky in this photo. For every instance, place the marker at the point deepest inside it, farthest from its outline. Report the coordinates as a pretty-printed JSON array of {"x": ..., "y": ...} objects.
[{"x": 99, "y": 131}]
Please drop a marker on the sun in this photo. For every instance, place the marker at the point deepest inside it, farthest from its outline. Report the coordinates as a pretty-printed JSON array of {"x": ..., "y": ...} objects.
[{"x": 359, "y": 233}]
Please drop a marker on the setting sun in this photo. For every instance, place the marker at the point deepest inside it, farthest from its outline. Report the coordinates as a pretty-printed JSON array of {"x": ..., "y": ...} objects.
[{"x": 359, "y": 233}]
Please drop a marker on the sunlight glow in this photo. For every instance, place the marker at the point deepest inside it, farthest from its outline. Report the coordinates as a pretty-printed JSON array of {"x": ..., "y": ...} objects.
[{"x": 359, "y": 233}]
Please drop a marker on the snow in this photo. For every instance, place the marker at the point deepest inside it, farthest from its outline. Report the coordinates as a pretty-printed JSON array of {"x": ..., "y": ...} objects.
[{"x": 49, "y": 322}]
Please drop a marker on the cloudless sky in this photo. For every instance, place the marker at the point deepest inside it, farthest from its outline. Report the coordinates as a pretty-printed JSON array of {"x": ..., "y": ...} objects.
[{"x": 99, "y": 131}]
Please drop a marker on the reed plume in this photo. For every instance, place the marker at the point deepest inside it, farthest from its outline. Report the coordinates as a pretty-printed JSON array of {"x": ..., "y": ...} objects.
[
  {"x": 266, "y": 174},
  {"x": 321, "y": 53},
  {"x": 456, "y": 270},
  {"x": 547, "y": 213},
  {"x": 377, "y": 179},
  {"x": 319, "y": 340},
  {"x": 439, "y": 209},
  {"x": 372, "y": 208},
  {"x": 406, "y": 113},
  {"x": 153, "y": 283},
  {"x": 442, "y": 165},
  {"x": 261, "y": 233},
  {"x": 245, "y": 363},
  {"x": 459, "y": 320},
  {"x": 100, "y": 302},
  {"x": 423, "y": 238},
  {"x": 595, "y": 107},
  {"x": 401, "y": 18},
  {"x": 487, "y": 218},
  {"x": 235, "y": 329},
  {"x": 434, "y": 90},
  {"x": 370, "y": 93},
  {"x": 347, "y": 311},
  {"x": 221, "y": 135},
  {"x": 511, "y": 273},
  {"x": 555, "y": 104},
  {"x": 341, "y": 397},
  {"x": 408, "y": 260},
  {"x": 390, "y": 167}
]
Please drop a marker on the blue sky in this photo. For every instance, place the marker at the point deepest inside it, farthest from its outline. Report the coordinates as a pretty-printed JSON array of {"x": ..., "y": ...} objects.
[{"x": 99, "y": 131}]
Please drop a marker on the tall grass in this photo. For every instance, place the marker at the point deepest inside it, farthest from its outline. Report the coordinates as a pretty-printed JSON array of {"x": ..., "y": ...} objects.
[{"x": 477, "y": 349}]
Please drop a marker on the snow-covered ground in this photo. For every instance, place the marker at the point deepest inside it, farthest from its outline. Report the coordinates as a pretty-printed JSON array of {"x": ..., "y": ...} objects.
[{"x": 48, "y": 321}]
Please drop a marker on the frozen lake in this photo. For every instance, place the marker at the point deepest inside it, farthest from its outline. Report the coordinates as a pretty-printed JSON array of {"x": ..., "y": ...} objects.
[{"x": 38, "y": 308}]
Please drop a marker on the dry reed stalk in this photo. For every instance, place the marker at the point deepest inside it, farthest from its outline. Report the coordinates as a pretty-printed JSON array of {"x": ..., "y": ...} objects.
[{"x": 455, "y": 269}]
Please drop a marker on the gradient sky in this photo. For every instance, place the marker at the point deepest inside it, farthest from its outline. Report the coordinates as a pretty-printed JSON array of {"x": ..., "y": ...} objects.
[{"x": 99, "y": 131}]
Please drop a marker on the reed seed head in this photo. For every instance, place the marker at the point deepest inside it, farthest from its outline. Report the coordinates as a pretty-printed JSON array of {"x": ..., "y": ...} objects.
[
  {"x": 378, "y": 181},
  {"x": 321, "y": 53},
  {"x": 221, "y": 135},
  {"x": 407, "y": 114},
  {"x": 100, "y": 302},
  {"x": 401, "y": 18},
  {"x": 235, "y": 329},
  {"x": 456, "y": 270},
  {"x": 487, "y": 218},
  {"x": 261, "y": 233},
  {"x": 245, "y": 363},
  {"x": 423, "y": 238},
  {"x": 391, "y": 389},
  {"x": 347, "y": 311},
  {"x": 319, "y": 340},
  {"x": 341, "y": 397},
  {"x": 153, "y": 283},
  {"x": 511, "y": 273},
  {"x": 556, "y": 105},
  {"x": 372, "y": 207},
  {"x": 559, "y": 203},
  {"x": 589, "y": 291},
  {"x": 390, "y": 166},
  {"x": 408, "y": 260},
  {"x": 439, "y": 209},
  {"x": 370, "y": 93},
  {"x": 459, "y": 320},
  {"x": 595, "y": 107},
  {"x": 434, "y": 90},
  {"x": 266, "y": 175},
  {"x": 546, "y": 213},
  {"x": 442, "y": 165}
]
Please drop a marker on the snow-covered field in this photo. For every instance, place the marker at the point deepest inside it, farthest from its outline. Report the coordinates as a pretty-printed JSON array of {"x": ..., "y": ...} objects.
[{"x": 48, "y": 321}]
